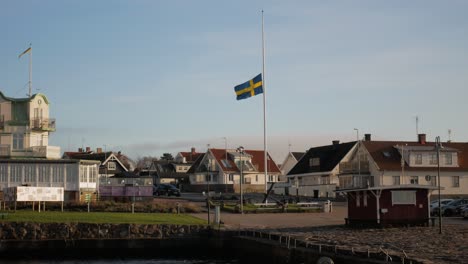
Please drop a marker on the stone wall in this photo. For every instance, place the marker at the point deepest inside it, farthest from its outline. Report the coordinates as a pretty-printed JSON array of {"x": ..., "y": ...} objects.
[{"x": 73, "y": 231}]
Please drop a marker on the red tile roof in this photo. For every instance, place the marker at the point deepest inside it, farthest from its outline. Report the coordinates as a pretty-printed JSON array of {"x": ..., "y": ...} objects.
[
  {"x": 258, "y": 160},
  {"x": 191, "y": 156},
  {"x": 393, "y": 160}
]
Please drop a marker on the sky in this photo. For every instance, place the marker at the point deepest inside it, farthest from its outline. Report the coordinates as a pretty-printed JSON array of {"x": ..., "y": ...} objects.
[{"x": 154, "y": 77}]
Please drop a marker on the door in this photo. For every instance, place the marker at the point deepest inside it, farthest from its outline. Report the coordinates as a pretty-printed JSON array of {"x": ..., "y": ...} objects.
[{"x": 316, "y": 194}]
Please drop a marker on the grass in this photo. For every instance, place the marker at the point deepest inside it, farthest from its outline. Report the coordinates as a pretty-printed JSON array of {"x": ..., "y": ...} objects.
[{"x": 102, "y": 218}]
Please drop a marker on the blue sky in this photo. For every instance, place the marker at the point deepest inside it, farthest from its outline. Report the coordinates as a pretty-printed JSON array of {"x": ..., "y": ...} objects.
[{"x": 148, "y": 77}]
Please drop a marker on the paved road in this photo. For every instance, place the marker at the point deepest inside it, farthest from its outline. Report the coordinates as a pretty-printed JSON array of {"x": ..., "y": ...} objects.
[{"x": 281, "y": 220}]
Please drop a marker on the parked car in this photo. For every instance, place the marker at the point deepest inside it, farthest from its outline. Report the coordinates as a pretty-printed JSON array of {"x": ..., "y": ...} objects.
[
  {"x": 465, "y": 213},
  {"x": 460, "y": 209},
  {"x": 435, "y": 204},
  {"x": 165, "y": 189},
  {"x": 450, "y": 209}
]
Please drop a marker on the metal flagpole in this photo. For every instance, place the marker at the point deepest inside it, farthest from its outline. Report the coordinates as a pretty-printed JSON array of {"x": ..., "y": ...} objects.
[
  {"x": 30, "y": 69},
  {"x": 264, "y": 111}
]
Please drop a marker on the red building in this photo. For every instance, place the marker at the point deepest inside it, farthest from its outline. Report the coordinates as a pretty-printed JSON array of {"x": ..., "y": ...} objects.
[{"x": 389, "y": 205}]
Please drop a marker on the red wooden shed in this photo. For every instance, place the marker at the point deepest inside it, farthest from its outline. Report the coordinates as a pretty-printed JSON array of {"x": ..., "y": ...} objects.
[{"x": 389, "y": 205}]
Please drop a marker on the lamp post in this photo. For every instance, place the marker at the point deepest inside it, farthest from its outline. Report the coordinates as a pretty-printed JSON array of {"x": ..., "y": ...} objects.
[
  {"x": 438, "y": 146},
  {"x": 240, "y": 150},
  {"x": 208, "y": 178}
]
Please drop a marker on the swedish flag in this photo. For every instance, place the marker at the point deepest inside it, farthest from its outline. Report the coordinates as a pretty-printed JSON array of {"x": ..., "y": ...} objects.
[{"x": 249, "y": 88}]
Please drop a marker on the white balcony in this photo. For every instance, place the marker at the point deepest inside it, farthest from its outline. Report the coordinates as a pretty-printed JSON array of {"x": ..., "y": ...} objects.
[{"x": 49, "y": 152}]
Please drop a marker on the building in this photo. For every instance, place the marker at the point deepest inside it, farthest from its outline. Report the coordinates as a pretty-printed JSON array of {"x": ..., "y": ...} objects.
[
  {"x": 391, "y": 182},
  {"x": 25, "y": 125},
  {"x": 187, "y": 157},
  {"x": 220, "y": 170},
  {"x": 393, "y": 163},
  {"x": 26, "y": 159},
  {"x": 109, "y": 164},
  {"x": 316, "y": 173}
]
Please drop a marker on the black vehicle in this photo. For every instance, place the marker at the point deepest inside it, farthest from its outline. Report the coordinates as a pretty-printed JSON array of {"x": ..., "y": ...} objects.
[
  {"x": 165, "y": 189},
  {"x": 451, "y": 208}
]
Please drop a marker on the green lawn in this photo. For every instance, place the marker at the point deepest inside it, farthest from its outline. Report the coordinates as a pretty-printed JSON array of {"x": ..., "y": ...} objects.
[{"x": 102, "y": 218}]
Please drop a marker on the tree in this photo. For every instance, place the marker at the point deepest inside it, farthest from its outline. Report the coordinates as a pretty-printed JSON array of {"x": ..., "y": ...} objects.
[
  {"x": 167, "y": 156},
  {"x": 145, "y": 162}
]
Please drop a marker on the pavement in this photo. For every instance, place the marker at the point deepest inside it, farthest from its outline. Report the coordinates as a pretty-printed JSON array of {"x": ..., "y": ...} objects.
[{"x": 281, "y": 220}]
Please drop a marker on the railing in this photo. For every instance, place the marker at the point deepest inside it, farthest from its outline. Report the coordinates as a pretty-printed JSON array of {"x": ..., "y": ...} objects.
[
  {"x": 355, "y": 181},
  {"x": 44, "y": 124},
  {"x": 52, "y": 152},
  {"x": 397, "y": 255},
  {"x": 125, "y": 181},
  {"x": 351, "y": 167}
]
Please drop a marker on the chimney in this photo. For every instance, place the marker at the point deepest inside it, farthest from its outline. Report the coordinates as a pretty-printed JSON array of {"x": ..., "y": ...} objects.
[
  {"x": 422, "y": 139},
  {"x": 99, "y": 150},
  {"x": 367, "y": 137},
  {"x": 88, "y": 149},
  {"x": 335, "y": 142},
  {"x": 193, "y": 150},
  {"x": 80, "y": 149}
]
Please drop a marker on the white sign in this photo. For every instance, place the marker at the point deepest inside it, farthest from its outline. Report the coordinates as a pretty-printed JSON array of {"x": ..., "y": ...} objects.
[{"x": 31, "y": 194}]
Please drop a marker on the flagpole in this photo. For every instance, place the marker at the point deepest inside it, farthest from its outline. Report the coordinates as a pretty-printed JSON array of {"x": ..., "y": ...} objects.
[
  {"x": 30, "y": 69},
  {"x": 264, "y": 112}
]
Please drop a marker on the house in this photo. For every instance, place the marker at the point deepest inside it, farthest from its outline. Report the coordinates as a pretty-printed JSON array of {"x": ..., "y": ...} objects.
[
  {"x": 126, "y": 186},
  {"x": 26, "y": 159},
  {"x": 187, "y": 157},
  {"x": 109, "y": 164},
  {"x": 25, "y": 126},
  {"x": 220, "y": 170},
  {"x": 316, "y": 173},
  {"x": 390, "y": 182},
  {"x": 390, "y": 163},
  {"x": 283, "y": 185},
  {"x": 167, "y": 171},
  {"x": 289, "y": 162}
]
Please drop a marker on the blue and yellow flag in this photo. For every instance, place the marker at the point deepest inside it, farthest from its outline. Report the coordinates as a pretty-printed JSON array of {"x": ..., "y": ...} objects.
[{"x": 249, "y": 88}]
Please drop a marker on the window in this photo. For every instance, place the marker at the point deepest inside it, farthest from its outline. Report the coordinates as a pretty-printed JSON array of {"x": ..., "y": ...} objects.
[
  {"x": 57, "y": 174},
  {"x": 325, "y": 180},
  {"x": 111, "y": 165},
  {"x": 455, "y": 181},
  {"x": 18, "y": 140},
  {"x": 403, "y": 197},
  {"x": 3, "y": 173},
  {"x": 71, "y": 173},
  {"x": 231, "y": 177},
  {"x": 29, "y": 174},
  {"x": 433, "y": 180},
  {"x": 396, "y": 180},
  {"x": 83, "y": 174},
  {"x": 358, "y": 199},
  {"x": 418, "y": 159},
  {"x": 433, "y": 159},
  {"x": 448, "y": 158},
  {"x": 44, "y": 174},
  {"x": 256, "y": 178},
  {"x": 271, "y": 178},
  {"x": 414, "y": 180},
  {"x": 226, "y": 163},
  {"x": 15, "y": 172},
  {"x": 314, "y": 162},
  {"x": 365, "y": 199}
]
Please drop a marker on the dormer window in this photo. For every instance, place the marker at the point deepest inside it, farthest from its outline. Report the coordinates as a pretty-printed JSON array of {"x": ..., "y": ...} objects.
[
  {"x": 448, "y": 158},
  {"x": 314, "y": 162},
  {"x": 433, "y": 159},
  {"x": 418, "y": 159}
]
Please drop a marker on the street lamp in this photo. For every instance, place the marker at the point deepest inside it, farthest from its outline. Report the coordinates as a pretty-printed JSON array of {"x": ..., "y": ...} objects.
[
  {"x": 438, "y": 146},
  {"x": 208, "y": 178},
  {"x": 240, "y": 150}
]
